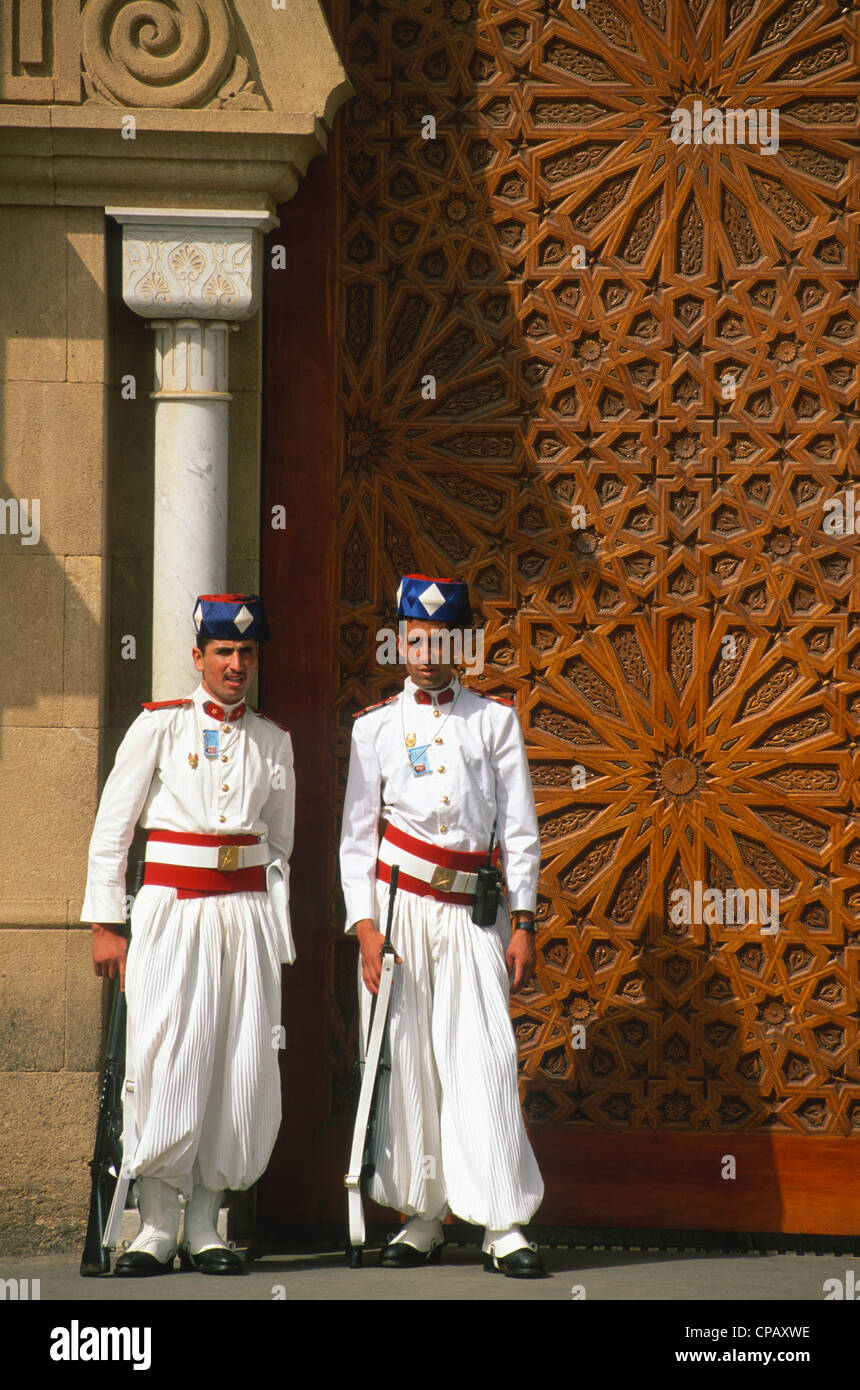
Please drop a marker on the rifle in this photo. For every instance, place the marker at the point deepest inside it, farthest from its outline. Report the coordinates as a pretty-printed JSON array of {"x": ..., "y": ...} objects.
[
  {"x": 361, "y": 1167},
  {"x": 106, "y": 1162},
  {"x": 107, "y": 1159}
]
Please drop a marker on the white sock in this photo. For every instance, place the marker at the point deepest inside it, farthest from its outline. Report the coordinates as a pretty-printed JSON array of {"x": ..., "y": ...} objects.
[
  {"x": 504, "y": 1242},
  {"x": 419, "y": 1233}
]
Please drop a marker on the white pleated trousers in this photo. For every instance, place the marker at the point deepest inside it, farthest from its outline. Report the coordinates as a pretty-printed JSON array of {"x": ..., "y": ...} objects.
[
  {"x": 203, "y": 987},
  {"x": 450, "y": 1130}
]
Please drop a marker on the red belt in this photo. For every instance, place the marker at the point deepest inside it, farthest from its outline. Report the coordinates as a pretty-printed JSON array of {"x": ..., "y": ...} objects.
[
  {"x": 194, "y": 882},
  {"x": 437, "y": 864}
]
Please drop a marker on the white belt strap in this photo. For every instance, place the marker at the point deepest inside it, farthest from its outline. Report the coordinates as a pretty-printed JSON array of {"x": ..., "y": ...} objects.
[
  {"x": 206, "y": 856},
  {"x": 454, "y": 880}
]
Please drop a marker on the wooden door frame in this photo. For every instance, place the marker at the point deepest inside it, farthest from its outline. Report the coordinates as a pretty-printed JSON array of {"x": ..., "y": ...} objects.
[{"x": 297, "y": 671}]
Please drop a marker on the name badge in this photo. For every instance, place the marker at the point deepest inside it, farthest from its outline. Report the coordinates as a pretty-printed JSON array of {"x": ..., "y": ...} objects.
[
  {"x": 211, "y": 742},
  {"x": 418, "y": 759}
]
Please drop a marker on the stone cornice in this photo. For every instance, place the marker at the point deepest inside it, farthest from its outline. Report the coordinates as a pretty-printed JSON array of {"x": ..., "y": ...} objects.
[{"x": 177, "y": 156}]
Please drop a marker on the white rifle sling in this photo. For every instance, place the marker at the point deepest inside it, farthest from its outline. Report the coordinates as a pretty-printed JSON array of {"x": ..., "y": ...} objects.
[
  {"x": 112, "y": 1230},
  {"x": 123, "y": 1181},
  {"x": 373, "y": 1055}
]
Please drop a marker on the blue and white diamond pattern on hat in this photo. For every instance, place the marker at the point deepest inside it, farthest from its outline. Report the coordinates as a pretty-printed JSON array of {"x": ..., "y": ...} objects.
[
  {"x": 432, "y": 599},
  {"x": 440, "y": 600},
  {"x": 230, "y": 617}
]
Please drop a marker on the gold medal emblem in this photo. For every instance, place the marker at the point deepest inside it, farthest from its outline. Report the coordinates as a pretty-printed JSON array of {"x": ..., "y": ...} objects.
[
  {"x": 193, "y": 760},
  {"x": 410, "y": 740}
]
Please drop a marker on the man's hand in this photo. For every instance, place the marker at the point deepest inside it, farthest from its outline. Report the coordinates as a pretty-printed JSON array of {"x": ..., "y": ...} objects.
[
  {"x": 110, "y": 949},
  {"x": 371, "y": 942},
  {"x": 520, "y": 958}
]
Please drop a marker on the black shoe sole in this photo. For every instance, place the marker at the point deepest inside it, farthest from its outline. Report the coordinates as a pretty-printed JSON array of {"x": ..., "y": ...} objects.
[
  {"x": 430, "y": 1257},
  {"x": 189, "y": 1263},
  {"x": 146, "y": 1272},
  {"x": 490, "y": 1267}
]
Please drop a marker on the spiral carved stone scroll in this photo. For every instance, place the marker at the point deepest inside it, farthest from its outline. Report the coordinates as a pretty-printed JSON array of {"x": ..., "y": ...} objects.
[{"x": 157, "y": 52}]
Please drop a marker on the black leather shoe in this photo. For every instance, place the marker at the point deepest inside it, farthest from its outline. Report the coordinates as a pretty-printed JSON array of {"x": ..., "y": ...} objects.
[
  {"x": 524, "y": 1263},
  {"x": 403, "y": 1256},
  {"x": 216, "y": 1260},
  {"x": 137, "y": 1262}
]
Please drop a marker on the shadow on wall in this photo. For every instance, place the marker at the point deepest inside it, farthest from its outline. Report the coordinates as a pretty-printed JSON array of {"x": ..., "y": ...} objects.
[{"x": 53, "y": 489}]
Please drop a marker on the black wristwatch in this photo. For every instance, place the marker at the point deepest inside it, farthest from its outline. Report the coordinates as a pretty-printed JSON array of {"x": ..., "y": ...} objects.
[{"x": 524, "y": 924}]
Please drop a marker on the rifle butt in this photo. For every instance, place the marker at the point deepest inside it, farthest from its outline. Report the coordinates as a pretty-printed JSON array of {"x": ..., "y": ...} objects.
[
  {"x": 107, "y": 1155},
  {"x": 95, "y": 1259}
]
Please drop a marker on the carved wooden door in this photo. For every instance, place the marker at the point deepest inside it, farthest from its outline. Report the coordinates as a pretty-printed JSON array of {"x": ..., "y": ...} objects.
[{"x": 686, "y": 663}]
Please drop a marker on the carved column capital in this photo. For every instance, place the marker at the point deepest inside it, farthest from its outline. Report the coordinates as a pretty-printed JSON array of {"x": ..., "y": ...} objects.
[
  {"x": 188, "y": 272},
  {"x": 188, "y": 263}
]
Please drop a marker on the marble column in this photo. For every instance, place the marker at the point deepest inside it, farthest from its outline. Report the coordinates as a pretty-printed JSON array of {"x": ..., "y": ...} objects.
[{"x": 194, "y": 275}]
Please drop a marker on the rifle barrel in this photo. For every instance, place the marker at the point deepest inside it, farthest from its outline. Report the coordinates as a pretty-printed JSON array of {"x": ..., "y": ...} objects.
[{"x": 392, "y": 894}]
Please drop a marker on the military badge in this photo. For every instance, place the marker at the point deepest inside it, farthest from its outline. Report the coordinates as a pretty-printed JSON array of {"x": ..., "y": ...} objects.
[
  {"x": 193, "y": 760},
  {"x": 418, "y": 759},
  {"x": 211, "y": 742},
  {"x": 410, "y": 740}
]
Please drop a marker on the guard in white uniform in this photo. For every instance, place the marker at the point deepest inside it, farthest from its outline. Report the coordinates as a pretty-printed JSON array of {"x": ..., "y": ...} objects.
[
  {"x": 441, "y": 765},
  {"x": 212, "y": 782}
]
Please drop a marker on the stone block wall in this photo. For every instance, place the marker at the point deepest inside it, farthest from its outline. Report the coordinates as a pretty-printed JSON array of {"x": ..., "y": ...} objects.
[
  {"x": 52, "y": 607},
  {"x": 74, "y": 437}
]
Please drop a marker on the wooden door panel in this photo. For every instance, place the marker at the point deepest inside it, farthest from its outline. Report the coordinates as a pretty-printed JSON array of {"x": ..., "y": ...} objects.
[{"x": 695, "y": 648}]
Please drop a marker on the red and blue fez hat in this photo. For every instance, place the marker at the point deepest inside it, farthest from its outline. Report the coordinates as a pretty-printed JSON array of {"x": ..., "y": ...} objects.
[
  {"x": 230, "y": 617},
  {"x": 439, "y": 600}
]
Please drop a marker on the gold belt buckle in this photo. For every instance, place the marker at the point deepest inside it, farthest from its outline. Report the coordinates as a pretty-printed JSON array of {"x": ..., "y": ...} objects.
[
  {"x": 228, "y": 858},
  {"x": 443, "y": 878}
]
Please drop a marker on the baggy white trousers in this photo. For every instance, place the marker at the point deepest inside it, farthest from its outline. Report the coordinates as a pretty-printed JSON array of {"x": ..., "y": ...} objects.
[
  {"x": 203, "y": 987},
  {"x": 450, "y": 1131}
]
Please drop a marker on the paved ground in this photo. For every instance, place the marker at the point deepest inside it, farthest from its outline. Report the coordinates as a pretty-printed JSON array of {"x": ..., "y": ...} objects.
[{"x": 321, "y": 1274}]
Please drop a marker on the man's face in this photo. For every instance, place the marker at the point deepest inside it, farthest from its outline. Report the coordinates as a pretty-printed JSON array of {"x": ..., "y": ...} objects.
[
  {"x": 227, "y": 668},
  {"x": 423, "y": 658}
]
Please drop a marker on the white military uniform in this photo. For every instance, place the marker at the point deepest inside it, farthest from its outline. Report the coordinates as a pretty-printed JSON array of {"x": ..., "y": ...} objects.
[
  {"x": 203, "y": 973},
  {"x": 450, "y": 1132}
]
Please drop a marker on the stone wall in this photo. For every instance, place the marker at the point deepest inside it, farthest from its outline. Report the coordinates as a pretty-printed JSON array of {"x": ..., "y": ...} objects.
[
  {"x": 52, "y": 446},
  {"x": 71, "y": 437}
]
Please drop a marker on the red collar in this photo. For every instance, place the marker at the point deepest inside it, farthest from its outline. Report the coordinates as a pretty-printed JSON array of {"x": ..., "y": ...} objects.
[
  {"x": 218, "y": 712},
  {"x": 423, "y": 697}
]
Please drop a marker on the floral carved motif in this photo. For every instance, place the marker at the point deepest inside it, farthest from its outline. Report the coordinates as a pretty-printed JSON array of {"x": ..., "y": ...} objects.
[{"x": 210, "y": 274}]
